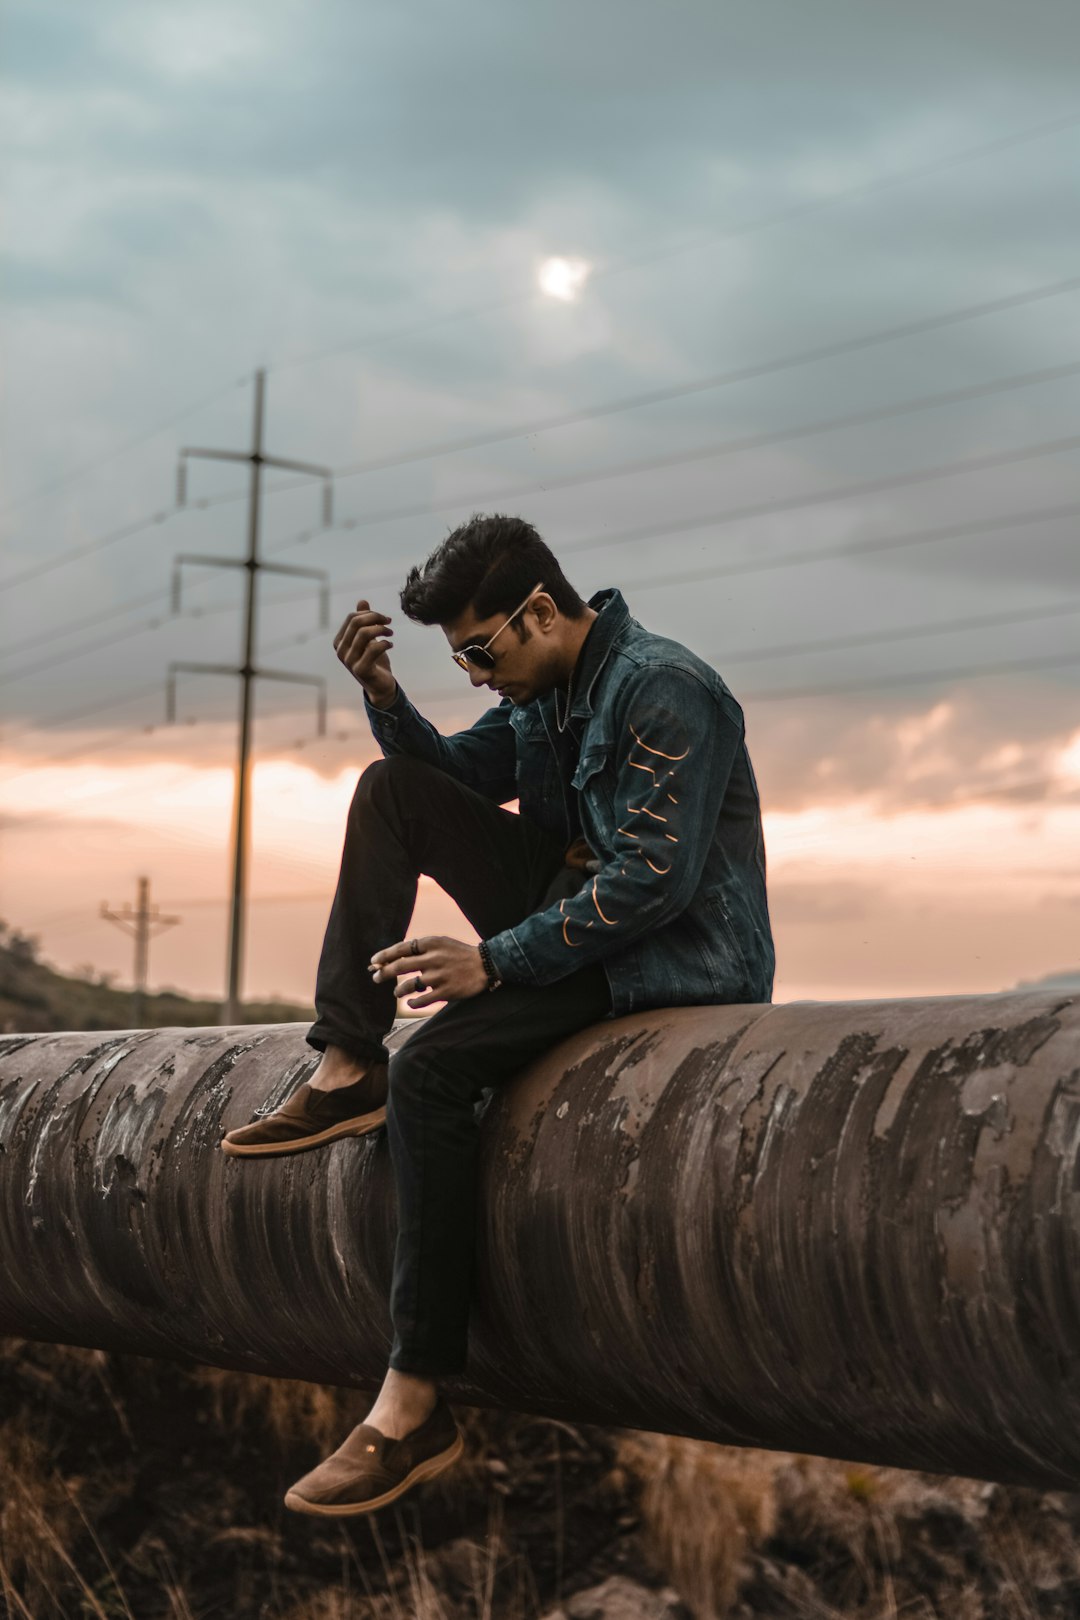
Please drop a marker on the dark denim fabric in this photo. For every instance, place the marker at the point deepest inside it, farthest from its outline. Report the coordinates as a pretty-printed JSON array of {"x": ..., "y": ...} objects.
[
  {"x": 406, "y": 818},
  {"x": 659, "y": 782}
]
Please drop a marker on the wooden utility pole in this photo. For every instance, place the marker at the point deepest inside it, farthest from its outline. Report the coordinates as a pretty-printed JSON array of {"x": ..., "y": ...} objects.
[
  {"x": 143, "y": 922},
  {"x": 246, "y": 669}
]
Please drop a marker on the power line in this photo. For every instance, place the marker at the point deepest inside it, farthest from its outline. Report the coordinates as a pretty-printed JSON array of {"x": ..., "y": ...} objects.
[
  {"x": 111, "y": 639},
  {"x": 1055, "y": 661},
  {"x": 719, "y": 379},
  {"x": 567, "y": 419},
  {"x": 257, "y": 899},
  {"x": 801, "y": 558},
  {"x": 912, "y": 633},
  {"x": 623, "y": 470},
  {"x": 880, "y": 183},
  {"x": 764, "y": 222},
  {"x": 708, "y": 452},
  {"x": 111, "y": 536},
  {"x": 909, "y": 632},
  {"x": 927, "y": 677},
  {"x": 60, "y": 632},
  {"x": 99, "y": 543},
  {"x": 912, "y": 537},
  {"x": 874, "y": 638},
  {"x": 732, "y": 569},
  {"x": 628, "y": 402},
  {"x": 120, "y": 450},
  {"x": 159, "y": 594},
  {"x": 116, "y": 701},
  {"x": 826, "y": 497},
  {"x": 158, "y": 622},
  {"x": 123, "y": 738},
  {"x": 836, "y": 493},
  {"x": 947, "y": 469}
]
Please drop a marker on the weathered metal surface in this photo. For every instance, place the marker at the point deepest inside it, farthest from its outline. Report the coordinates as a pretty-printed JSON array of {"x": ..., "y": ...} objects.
[{"x": 847, "y": 1229}]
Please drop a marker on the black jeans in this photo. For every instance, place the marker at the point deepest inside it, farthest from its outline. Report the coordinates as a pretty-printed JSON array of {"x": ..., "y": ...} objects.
[{"x": 408, "y": 818}]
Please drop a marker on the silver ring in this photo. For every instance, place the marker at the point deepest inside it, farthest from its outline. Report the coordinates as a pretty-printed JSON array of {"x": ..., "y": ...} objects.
[{"x": 414, "y": 947}]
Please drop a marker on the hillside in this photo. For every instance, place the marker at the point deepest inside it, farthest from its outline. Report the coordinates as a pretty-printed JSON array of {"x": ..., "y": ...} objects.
[{"x": 36, "y": 997}]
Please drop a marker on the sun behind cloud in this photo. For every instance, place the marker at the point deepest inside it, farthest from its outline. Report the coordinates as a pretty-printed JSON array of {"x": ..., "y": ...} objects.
[{"x": 563, "y": 278}]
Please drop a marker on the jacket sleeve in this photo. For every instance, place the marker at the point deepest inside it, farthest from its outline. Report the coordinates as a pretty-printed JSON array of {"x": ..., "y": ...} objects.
[
  {"x": 675, "y": 744},
  {"x": 482, "y": 757}
]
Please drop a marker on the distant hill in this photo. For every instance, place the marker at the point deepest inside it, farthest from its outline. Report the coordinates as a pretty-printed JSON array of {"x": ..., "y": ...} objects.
[
  {"x": 1065, "y": 980},
  {"x": 35, "y": 997}
]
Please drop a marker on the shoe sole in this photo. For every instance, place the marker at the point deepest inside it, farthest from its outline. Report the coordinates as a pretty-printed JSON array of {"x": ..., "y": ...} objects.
[
  {"x": 360, "y": 1126},
  {"x": 423, "y": 1470}
]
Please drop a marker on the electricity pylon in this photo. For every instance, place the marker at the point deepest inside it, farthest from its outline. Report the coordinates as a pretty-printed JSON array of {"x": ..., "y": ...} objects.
[
  {"x": 246, "y": 669},
  {"x": 144, "y": 922}
]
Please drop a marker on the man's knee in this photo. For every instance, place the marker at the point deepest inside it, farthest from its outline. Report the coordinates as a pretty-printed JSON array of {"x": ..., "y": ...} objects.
[
  {"x": 405, "y": 1097},
  {"x": 384, "y": 778},
  {"x": 420, "y": 1079}
]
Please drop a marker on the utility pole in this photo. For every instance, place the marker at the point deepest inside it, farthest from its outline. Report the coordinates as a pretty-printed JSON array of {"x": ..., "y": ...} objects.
[
  {"x": 246, "y": 669},
  {"x": 144, "y": 922}
]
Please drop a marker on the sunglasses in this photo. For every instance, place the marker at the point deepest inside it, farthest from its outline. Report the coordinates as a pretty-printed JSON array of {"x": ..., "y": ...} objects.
[{"x": 479, "y": 657}]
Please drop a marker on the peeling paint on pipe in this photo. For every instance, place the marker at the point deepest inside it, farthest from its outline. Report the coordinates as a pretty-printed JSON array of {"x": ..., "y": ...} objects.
[{"x": 846, "y": 1229}]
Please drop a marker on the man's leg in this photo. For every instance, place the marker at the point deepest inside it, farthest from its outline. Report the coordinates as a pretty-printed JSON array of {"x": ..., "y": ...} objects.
[
  {"x": 435, "y": 1080},
  {"x": 406, "y": 818}
]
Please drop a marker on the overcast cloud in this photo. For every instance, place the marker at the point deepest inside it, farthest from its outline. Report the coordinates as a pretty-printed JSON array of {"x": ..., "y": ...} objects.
[{"x": 358, "y": 197}]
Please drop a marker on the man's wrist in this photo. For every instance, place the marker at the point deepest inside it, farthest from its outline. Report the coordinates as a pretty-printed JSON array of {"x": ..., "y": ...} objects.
[
  {"x": 493, "y": 980},
  {"x": 383, "y": 698}
]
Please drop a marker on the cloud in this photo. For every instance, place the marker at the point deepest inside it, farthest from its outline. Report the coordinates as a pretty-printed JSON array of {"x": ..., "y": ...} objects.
[
  {"x": 1001, "y": 745},
  {"x": 193, "y": 193}
]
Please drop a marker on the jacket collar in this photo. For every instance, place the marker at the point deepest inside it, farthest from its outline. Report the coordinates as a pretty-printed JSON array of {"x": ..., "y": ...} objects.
[{"x": 613, "y": 616}]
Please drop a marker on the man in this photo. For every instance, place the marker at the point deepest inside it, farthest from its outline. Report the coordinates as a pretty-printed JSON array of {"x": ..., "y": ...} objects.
[{"x": 633, "y": 877}]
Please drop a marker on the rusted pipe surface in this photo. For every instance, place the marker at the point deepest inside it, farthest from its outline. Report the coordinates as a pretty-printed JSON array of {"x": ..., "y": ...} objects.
[{"x": 848, "y": 1229}]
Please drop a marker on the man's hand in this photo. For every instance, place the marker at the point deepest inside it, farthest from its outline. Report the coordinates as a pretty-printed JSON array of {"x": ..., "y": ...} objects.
[
  {"x": 447, "y": 969},
  {"x": 363, "y": 645}
]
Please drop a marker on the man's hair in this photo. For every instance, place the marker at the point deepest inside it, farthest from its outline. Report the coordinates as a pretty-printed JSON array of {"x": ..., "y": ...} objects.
[{"x": 490, "y": 563}]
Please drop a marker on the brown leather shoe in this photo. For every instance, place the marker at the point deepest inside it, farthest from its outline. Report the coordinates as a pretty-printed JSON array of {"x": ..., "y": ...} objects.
[
  {"x": 367, "y": 1470},
  {"x": 311, "y": 1118}
]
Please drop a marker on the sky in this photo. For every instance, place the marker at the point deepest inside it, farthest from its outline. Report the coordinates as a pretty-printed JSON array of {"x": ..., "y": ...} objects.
[{"x": 812, "y": 407}]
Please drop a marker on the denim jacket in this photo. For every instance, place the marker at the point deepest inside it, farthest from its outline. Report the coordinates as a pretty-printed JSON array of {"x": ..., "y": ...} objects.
[{"x": 661, "y": 788}]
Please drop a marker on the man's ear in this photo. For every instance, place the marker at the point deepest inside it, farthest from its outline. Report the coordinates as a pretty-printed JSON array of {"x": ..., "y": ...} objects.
[{"x": 545, "y": 610}]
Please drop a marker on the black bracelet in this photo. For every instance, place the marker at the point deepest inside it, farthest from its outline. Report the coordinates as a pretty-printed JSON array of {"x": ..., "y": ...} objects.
[{"x": 489, "y": 967}]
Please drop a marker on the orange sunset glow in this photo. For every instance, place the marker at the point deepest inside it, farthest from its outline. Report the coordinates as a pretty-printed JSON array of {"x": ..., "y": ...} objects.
[{"x": 973, "y": 895}]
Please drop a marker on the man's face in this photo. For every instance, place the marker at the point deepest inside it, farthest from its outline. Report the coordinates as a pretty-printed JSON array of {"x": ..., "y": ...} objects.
[{"x": 522, "y": 650}]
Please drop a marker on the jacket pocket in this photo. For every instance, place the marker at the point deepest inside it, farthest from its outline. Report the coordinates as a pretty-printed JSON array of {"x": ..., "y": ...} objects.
[
  {"x": 593, "y": 760},
  {"x": 594, "y": 782}
]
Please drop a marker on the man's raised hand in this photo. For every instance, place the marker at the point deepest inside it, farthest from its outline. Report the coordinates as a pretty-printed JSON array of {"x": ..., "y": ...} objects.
[{"x": 363, "y": 645}]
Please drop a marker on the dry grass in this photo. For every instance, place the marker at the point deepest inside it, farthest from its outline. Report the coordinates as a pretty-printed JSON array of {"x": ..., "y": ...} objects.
[
  {"x": 732, "y": 1530},
  {"x": 884, "y": 1542},
  {"x": 417, "y": 1584},
  {"x": 39, "y": 1516},
  {"x": 703, "y": 1508},
  {"x": 288, "y": 1409},
  {"x": 54, "y": 1566}
]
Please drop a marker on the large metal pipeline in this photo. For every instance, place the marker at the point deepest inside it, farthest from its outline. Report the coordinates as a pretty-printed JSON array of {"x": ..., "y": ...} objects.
[{"x": 847, "y": 1229}]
